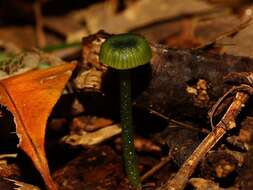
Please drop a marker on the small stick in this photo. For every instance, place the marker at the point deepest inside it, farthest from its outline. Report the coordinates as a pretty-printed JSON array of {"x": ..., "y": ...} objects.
[
  {"x": 178, "y": 123},
  {"x": 4, "y": 156},
  {"x": 40, "y": 35},
  {"x": 180, "y": 180},
  {"x": 156, "y": 167}
]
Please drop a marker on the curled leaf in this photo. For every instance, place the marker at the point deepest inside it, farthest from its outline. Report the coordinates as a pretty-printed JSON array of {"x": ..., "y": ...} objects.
[{"x": 30, "y": 97}]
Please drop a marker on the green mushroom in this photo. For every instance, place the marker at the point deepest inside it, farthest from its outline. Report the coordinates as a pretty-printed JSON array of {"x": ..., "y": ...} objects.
[{"x": 125, "y": 52}]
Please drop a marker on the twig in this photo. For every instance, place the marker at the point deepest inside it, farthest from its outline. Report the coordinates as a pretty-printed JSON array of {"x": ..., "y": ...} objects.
[
  {"x": 232, "y": 91},
  {"x": 180, "y": 180},
  {"x": 178, "y": 123},
  {"x": 156, "y": 167},
  {"x": 40, "y": 35},
  {"x": 4, "y": 156}
]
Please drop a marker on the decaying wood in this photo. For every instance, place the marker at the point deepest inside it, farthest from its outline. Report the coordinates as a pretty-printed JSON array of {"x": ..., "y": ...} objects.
[
  {"x": 187, "y": 83},
  {"x": 183, "y": 83}
]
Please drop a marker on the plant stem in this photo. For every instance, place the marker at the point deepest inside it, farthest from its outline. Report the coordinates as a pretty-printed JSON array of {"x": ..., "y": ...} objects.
[
  {"x": 61, "y": 46},
  {"x": 127, "y": 129}
]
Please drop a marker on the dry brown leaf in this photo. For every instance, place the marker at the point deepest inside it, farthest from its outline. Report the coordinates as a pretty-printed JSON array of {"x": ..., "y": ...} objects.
[
  {"x": 139, "y": 14},
  {"x": 30, "y": 97}
]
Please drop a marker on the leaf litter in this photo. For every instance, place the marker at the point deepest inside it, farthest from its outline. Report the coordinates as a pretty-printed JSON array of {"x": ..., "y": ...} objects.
[{"x": 173, "y": 132}]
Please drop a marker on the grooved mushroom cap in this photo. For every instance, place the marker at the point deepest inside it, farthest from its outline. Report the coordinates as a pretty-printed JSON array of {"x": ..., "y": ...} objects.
[{"x": 125, "y": 51}]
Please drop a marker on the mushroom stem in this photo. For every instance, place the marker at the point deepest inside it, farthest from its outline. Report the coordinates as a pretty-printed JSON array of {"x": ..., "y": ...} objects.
[
  {"x": 127, "y": 129},
  {"x": 124, "y": 52}
]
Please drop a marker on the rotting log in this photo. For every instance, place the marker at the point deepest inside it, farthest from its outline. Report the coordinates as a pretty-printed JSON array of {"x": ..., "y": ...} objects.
[
  {"x": 186, "y": 83},
  {"x": 182, "y": 84}
]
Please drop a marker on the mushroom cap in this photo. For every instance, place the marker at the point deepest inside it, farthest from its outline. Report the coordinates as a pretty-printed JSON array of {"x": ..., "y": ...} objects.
[{"x": 125, "y": 51}]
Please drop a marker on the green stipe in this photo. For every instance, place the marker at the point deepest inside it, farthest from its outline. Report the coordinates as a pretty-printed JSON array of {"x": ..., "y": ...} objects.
[{"x": 124, "y": 52}]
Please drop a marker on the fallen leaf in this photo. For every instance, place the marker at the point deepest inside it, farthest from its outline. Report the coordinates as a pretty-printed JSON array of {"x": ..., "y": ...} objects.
[
  {"x": 30, "y": 97},
  {"x": 134, "y": 16}
]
